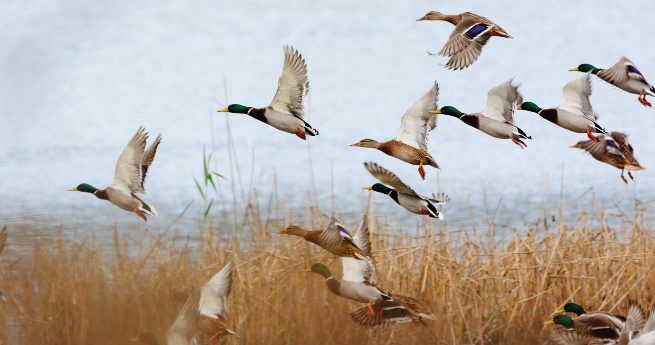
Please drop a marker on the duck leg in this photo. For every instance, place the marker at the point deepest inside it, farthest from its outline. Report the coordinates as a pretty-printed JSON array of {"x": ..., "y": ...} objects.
[
  {"x": 300, "y": 133},
  {"x": 591, "y": 136},
  {"x": 643, "y": 101},
  {"x": 519, "y": 142},
  {"x": 630, "y": 174},
  {"x": 421, "y": 171},
  {"x": 369, "y": 309},
  {"x": 140, "y": 214},
  {"x": 623, "y": 177}
]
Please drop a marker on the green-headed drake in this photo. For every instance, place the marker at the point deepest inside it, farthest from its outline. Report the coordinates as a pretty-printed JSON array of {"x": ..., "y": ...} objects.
[
  {"x": 624, "y": 75},
  {"x": 403, "y": 195},
  {"x": 497, "y": 118},
  {"x": 131, "y": 170},
  {"x": 358, "y": 284},
  {"x": 411, "y": 143},
  {"x": 613, "y": 149},
  {"x": 471, "y": 34},
  {"x": 336, "y": 238},
  {"x": 601, "y": 325},
  {"x": 575, "y": 113},
  {"x": 286, "y": 111}
]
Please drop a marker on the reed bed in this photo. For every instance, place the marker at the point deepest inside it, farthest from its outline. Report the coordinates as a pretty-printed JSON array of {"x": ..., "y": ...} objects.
[{"x": 482, "y": 289}]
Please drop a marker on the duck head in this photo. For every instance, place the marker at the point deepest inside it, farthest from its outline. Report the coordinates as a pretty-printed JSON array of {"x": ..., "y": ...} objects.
[
  {"x": 433, "y": 15},
  {"x": 293, "y": 230},
  {"x": 561, "y": 319},
  {"x": 584, "y": 68},
  {"x": 574, "y": 308},
  {"x": 380, "y": 188},
  {"x": 367, "y": 143},
  {"x": 235, "y": 109},
  {"x": 85, "y": 188},
  {"x": 320, "y": 269},
  {"x": 529, "y": 106},
  {"x": 448, "y": 110}
]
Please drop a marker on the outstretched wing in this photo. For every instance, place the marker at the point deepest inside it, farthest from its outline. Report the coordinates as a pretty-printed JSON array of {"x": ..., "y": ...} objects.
[
  {"x": 213, "y": 297},
  {"x": 466, "y": 42},
  {"x": 335, "y": 233},
  {"x": 129, "y": 174},
  {"x": 576, "y": 97},
  {"x": 501, "y": 102},
  {"x": 621, "y": 72},
  {"x": 148, "y": 157},
  {"x": 184, "y": 327},
  {"x": 418, "y": 122},
  {"x": 359, "y": 271},
  {"x": 387, "y": 177},
  {"x": 363, "y": 237},
  {"x": 293, "y": 85}
]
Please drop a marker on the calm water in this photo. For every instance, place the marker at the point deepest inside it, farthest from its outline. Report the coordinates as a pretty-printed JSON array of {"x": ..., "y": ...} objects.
[{"x": 79, "y": 77}]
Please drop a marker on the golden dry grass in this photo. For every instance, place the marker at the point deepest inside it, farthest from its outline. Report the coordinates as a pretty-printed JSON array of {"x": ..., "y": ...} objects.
[{"x": 483, "y": 290}]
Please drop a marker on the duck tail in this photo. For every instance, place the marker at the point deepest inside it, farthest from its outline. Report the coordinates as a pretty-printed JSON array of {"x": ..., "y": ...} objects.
[
  {"x": 652, "y": 90},
  {"x": 311, "y": 131},
  {"x": 523, "y": 135},
  {"x": 401, "y": 309}
]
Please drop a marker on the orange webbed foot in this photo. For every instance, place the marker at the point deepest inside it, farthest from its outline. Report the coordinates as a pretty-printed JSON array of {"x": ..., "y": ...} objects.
[{"x": 300, "y": 133}]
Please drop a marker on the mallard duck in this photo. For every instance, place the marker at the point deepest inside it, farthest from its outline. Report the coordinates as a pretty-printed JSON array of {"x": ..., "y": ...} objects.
[
  {"x": 600, "y": 327},
  {"x": 411, "y": 143},
  {"x": 204, "y": 314},
  {"x": 613, "y": 149},
  {"x": 335, "y": 238},
  {"x": 403, "y": 195},
  {"x": 575, "y": 113},
  {"x": 467, "y": 40},
  {"x": 131, "y": 170},
  {"x": 497, "y": 118},
  {"x": 287, "y": 108},
  {"x": 624, "y": 75},
  {"x": 358, "y": 284}
]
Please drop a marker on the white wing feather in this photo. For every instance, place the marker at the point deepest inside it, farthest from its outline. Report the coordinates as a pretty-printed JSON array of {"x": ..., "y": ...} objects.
[
  {"x": 576, "y": 97},
  {"x": 417, "y": 121},
  {"x": 501, "y": 102},
  {"x": 293, "y": 85},
  {"x": 128, "y": 174},
  {"x": 213, "y": 297}
]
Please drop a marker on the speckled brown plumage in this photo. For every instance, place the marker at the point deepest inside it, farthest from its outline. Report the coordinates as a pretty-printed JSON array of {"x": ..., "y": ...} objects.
[
  {"x": 614, "y": 150},
  {"x": 213, "y": 329},
  {"x": 344, "y": 248},
  {"x": 407, "y": 153},
  {"x": 401, "y": 309}
]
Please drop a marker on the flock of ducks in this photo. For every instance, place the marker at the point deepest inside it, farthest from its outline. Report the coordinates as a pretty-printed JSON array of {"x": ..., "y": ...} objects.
[
  {"x": 600, "y": 327},
  {"x": 204, "y": 315}
]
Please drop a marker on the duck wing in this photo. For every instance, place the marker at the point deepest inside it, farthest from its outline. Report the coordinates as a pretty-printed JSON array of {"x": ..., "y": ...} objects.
[
  {"x": 129, "y": 173},
  {"x": 387, "y": 177},
  {"x": 621, "y": 72},
  {"x": 576, "y": 97},
  {"x": 148, "y": 157},
  {"x": 363, "y": 237},
  {"x": 334, "y": 234},
  {"x": 293, "y": 85},
  {"x": 213, "y": 297},
  {"x": 466, "y": 42},
  {"x": 501, "y": 102},
  {"x": 185, "y": 325},
  {"x": 417, "y": 122}
]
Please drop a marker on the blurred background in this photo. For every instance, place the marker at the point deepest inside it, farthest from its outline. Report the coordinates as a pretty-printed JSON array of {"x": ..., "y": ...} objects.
[{"x": 78, "y": 78}]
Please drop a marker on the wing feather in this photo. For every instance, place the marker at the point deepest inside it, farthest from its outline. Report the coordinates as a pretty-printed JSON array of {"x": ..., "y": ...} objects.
[
  {"x": 185, "y": 325},
  {"x": 417, "y": 122},
  {"x": 129, "y": 174},
  {"x": 387, "y": 177},
  {"x": 293, "y": 85},
  {"x": 576, "y": 97},
  {"x": 334, "y": 234},
  {"x": 501, "y": 102},
  {"x": 213, "y": 297}
]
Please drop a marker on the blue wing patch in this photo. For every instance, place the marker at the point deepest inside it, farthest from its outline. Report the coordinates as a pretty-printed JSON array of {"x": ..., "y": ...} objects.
[
  {"x": 633, "y": 69},
  {"x": 476, "y": 30},
  {"x": 612, "y": 143}
]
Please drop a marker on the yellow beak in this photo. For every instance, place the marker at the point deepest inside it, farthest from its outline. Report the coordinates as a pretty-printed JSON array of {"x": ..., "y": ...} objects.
[
  {"x": 368, "y": 188},
  {"x": 355, "y": 144},
  {"x": 438, "y": 111},
  {"x": 575, "y": 69},
  {"x": 549, "y": 322},
  {"x": 73, "y": 189},
  {"x": 519, "y": 107},
  {"x": 307, "y": 270},
  {"x": 560, "y": 311},
  {"x": 224, "y": 110}
]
